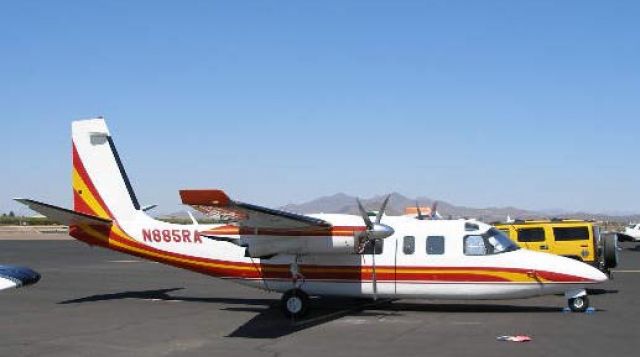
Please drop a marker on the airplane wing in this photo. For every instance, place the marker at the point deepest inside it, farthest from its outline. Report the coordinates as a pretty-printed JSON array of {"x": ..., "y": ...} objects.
[
  {"x": 216, "y": 202},
  {"x": 62, "y": 215},
  {"x": 16, "y": 276}
]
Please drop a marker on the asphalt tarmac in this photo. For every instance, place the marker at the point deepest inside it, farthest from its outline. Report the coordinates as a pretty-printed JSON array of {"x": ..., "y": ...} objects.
[{"x": 94, "y": 302}]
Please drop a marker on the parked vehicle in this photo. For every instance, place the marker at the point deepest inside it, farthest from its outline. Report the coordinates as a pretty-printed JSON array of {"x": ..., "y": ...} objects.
[{"x": 577, "y": 239}]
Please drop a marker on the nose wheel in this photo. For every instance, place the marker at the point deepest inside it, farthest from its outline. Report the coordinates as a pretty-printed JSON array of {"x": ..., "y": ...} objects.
[
  {"x": 579, "y": 304},
  {"x": 295, "y": 303}
]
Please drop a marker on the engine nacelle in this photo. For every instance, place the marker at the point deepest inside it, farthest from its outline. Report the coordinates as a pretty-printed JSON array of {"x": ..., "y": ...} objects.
[{"x": 262, "y": 246}]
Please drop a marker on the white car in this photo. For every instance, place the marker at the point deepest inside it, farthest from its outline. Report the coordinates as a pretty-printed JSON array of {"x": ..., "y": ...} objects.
[{"x": 631, "y": 233}]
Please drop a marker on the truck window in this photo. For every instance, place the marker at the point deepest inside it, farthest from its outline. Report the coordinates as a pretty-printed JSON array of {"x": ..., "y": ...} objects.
[
  {"x": 408, "y": 245},
  {"x": 571, "y": 233},
  {"x": 435, "y": 245},
  {"x": 527, "y": 235}
]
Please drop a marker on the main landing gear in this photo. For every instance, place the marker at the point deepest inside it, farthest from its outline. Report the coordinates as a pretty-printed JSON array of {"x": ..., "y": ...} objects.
[
  {"x": 577, "y": 300},
  {"x": 295, "y": 303}
]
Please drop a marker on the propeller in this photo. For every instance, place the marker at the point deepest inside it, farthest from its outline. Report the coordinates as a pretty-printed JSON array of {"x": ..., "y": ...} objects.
[{"x": 375, "y": 230}]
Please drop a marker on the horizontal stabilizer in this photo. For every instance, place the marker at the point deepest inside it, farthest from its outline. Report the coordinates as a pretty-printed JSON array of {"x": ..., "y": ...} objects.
[{"x": 63, "y": 215}]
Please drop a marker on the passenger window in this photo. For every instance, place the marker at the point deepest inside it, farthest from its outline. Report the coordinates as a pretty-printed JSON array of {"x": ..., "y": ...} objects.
[
  {"x": 528, "y": 235},
  {"x": 571, "y": 233},
  {"x": 435, "y": 245},
  {"x": 373, "y": 248},
  {"x": 408, "y": 245},
  {"x": 474, "y": 245}
]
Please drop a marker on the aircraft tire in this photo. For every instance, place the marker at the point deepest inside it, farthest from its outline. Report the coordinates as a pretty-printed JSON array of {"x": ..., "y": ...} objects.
[
  {"x": 579, "y": 304},
  {"x": 295, "y": 303}
]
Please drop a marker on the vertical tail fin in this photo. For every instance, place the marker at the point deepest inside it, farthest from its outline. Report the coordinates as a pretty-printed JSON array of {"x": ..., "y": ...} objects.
[{"x": 100, "y": 184}]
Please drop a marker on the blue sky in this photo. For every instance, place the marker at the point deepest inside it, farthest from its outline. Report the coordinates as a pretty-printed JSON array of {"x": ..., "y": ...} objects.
[{"x": 482, "y": 103}]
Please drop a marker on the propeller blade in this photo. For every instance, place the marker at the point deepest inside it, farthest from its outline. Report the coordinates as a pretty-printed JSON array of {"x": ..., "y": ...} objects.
[
  {"x": 374, "y": 278},
  {"x": 420, "y": 217},
  {"x": 365, "y": 215},
  {"x": 434, "y": 209},
  {"x": 382, "y": 208}
]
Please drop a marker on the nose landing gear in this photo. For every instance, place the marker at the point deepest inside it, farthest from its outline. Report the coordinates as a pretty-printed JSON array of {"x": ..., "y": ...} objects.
[
  {"x": 579, "y": 304},
  {"x": 577, "y": 300}
]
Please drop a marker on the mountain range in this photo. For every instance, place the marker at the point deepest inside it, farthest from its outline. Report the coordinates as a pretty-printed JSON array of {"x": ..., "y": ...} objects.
[{"x": 343, "y": 203}]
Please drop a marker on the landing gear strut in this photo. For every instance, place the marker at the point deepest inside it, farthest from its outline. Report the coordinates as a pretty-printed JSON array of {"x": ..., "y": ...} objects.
[{"x": 295, "y": 303}]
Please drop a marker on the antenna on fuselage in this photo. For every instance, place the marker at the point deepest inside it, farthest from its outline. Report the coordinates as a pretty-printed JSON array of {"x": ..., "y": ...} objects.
[{"x": 193, "y": 219}]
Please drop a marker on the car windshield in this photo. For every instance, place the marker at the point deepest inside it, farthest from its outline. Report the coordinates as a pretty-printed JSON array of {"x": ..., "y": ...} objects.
[{"x": 491, "y": 242}]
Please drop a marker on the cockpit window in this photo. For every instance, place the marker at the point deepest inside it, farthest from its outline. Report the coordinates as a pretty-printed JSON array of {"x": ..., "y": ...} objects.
[{"x": 491, "y": 242}]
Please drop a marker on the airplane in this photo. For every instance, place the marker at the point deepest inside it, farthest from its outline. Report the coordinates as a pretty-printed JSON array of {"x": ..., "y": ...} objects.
[
  {"x": 631, "y": 233},
  {"x": 12, "y": 276},
  {"x": 360, "y": 256}
]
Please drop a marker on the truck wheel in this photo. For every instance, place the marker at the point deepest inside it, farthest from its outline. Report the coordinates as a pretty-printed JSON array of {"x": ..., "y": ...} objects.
[
  {"x": 295, "y": 303},
  {"x": 579, "y": 304},
  {"x": 610, "y": 251}
]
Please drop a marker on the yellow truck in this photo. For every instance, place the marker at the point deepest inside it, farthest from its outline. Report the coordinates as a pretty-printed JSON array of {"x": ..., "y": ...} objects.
[{"x": 575, "y": 239}]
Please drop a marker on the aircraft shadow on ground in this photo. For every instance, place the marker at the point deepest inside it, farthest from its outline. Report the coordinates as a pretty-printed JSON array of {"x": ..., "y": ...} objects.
[
  {"x": 163, "y": 294},
  {"x": 270, "y": 323}
]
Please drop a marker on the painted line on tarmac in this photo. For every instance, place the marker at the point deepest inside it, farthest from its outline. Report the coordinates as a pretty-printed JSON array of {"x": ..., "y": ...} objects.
[{"x": 625, "y": 271}]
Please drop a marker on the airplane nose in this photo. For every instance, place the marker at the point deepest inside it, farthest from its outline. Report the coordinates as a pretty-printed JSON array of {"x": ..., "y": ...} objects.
[
  {"x": 589, "y": 272},
  {"x": 575, "y": 268},
  {"x": 599, "y": 276}
]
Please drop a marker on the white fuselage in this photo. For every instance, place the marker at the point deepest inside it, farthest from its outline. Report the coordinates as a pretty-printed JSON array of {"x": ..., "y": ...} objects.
[{"x": 450, "y": 273}]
